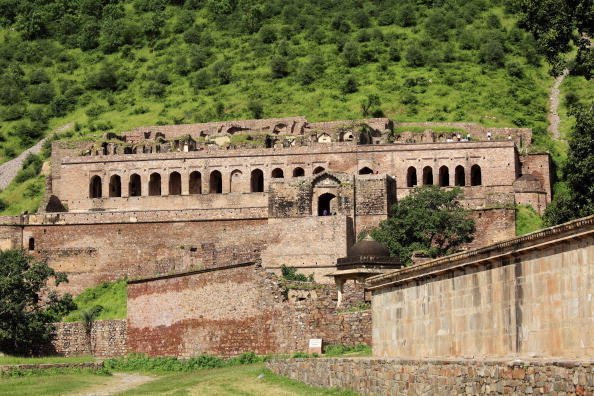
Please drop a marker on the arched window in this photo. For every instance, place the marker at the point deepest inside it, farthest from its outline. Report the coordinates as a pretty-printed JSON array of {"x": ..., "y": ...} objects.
[
  {"x": 411, "y": 176},
  {"x": 444, "y": 176},
  {"x": 257, "y": 181},
  {"x": 365, "y": 171},
  {"x": 174, "y": 183},
  {"x": 115, "y": 186},
  {"x": 475, "y": 175},
  {"x": 215, "y": 182},
  {"x": 460, "y": 177},
  {"x": 31, "y": 243},
  {"x": 155, "y": 184},
  {"x": 297, "y": 172},
  {"x": 326, "y": 204},
  {"x": 95, "y": 187},
  {"x": 235, "y": 181},
  {"x": 427, "y": 175},
  {"x": 134, "y": 186},
  {"x": 319, "y": 169},
  {"x": 195, "y": 183},
  {"x": 277, "y": 173}
]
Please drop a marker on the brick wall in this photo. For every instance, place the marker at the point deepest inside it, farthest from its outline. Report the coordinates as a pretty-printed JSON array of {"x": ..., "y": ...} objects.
[
  {"x": 237, "y": 309},
  {"x": 108, "y": 339},
  {"x": 370, "y": 376}
]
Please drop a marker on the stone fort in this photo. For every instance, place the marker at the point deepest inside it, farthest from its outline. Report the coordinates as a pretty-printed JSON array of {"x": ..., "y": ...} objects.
[{"x": 194, "y": 215}]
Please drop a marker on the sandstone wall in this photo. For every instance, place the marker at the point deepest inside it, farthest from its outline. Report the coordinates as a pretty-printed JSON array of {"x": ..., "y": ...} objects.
[
  {"x": 539, "y": 165},
  {"x": 108, "y": 339},
  {"x": 529, "y": 296},
  {"x": 233, "y": 310},
  {"x": 10, "y": 237},
  {"x": 370, "y": 376}
]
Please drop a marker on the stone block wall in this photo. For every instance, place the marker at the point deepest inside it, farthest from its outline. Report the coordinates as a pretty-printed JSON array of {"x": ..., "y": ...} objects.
[
  {"x": 528, "y": 297},
  {"x": 108, "y": 339},
  {"x": 369, "y": 376},
  {"x": 539, "y": 165},
  {"x": 237, "y": 309}
]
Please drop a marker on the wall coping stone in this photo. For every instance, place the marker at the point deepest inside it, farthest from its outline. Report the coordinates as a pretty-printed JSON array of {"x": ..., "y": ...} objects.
[
  {"x": 188, "y": 273},
  {"x": 571, "y": 230}
]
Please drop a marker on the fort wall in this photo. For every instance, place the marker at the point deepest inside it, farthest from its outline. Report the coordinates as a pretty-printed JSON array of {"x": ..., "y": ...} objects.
[
  {"x": 108, "y": 338},
  {"x": 525, "y": 297},
  {"x": 182, "y": 315}
]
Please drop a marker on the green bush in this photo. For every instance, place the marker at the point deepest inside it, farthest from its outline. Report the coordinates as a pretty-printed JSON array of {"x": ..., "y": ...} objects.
[
  {"x": 290, "y": 274},
  {"x": 31, "y": 168}
]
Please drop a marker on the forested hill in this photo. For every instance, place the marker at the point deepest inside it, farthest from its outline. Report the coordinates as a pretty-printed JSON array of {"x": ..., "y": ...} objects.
[{"x": 112, "y": 65}]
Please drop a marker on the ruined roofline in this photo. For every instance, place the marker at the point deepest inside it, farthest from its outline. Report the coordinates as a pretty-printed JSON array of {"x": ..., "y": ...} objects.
[
  {"x": 574, "y": 229},
  {"x": 318, "y": 148}
]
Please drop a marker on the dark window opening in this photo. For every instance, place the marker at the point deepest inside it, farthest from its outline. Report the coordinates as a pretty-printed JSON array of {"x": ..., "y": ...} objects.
[
  {"x": 365, "y": 171},
  {"x": 475, "y": 176},
  {"x": 95, "y": 187},
  {"x": 134, "y": 186},
  {"x": 444, "y": 176},
  {"x": 115, "y": 186},
  {"x": 195, "y": 183},
  {"x": 326, "y": 203},
  {"x": 427, "y": 175},
  {"x": 278, "y": 173},
  {"x": 411, "y": 177},
  {"x": 298, "y": 172},
  {"x": 460, "y": 177},
  {"x": 215, "y": 183},
  {"x": 155, "y": 184},
  {"x": 257, "y": 181},
  {"x": 175, "y": 183},
  {"x": 319, "y": 169},
  {"x": 31, "y": 243}
]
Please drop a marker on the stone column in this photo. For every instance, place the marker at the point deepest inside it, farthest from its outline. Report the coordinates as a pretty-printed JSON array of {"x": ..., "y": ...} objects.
[{"x": 185, "y": 182}]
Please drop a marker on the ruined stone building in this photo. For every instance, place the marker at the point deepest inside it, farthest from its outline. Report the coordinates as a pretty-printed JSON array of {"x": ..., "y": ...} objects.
[{"x": 199, "y": 217}]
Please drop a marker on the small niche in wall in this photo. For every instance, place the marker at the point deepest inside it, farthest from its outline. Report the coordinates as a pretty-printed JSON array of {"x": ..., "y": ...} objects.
[{"x": 31, "y": 243}]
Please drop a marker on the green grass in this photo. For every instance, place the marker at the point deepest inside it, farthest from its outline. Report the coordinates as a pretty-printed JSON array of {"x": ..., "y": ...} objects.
[
  {"x": 4, "y": 360},
  {"x": 21, "y": 197},
  {"x": 112, "y": 296},
  {"x": 347, "y": 351},
  {"x": 238, "y": 380},
  {"x": 527, "y": 220},
  {"x": 47, "y": 385}
]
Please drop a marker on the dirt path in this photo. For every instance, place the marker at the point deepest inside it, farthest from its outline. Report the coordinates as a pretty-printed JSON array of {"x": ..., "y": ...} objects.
[
  {"x": 9, "y": 169},
  {"x": 553, "y": 115},
  {"x": 119, "y": 382}
]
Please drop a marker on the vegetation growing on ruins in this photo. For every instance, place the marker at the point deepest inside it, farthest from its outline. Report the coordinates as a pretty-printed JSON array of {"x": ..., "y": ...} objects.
[
  {"x": 26, "y": 319},
  {"x": 290, "y": 274},
  {"x": 111, "y": 296},
  {"x": 114, "y": 65},
  {"x": 429, "y": 220},
  {"x": 527, "y": 220}
]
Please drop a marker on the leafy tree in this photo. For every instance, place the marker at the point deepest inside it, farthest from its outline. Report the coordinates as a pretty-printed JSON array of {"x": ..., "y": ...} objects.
[
  {"x": 255, "y": 108},
  {"x": 279, "y": 67},
  {"x": 553, "y": 23},
  {"x": 492, "y": 53},
  {"x": 369, "y": 103},
  {"x": 349, "y": 85},
  {"x": 28, "y": 307},
  {"x": 351, "y": 54},
  {"x": 430, "y": 220},
  {"x": 201, "y": 79},
  {"x": 578, "y": 172},
  {"x": 222, "y": 69}
]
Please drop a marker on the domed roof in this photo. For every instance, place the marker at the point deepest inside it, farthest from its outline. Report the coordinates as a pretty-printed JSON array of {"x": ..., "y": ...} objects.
[{"x": 368, "y": 247}]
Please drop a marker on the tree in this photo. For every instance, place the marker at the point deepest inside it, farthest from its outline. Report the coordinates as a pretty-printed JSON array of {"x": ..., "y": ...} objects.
[
  {"x": 554, "y": 24},
  {"x": 430, "y": 220},
  {"x": 370, "y": 102},
  {"x": 279, "y": 67},
  {"x": 28, "y": 307},
  {"x": 578, "y": 172}
]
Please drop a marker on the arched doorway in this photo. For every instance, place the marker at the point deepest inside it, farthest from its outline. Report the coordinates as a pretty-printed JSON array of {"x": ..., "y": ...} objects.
[
  {"x": 427, "y": 176},
  {"x": 366, "y": 171},
  {"x": 444, "y": 176},
  {"x": 174, "y": 183},
  {"x": 95, "y": 187},
  {"x": 155, "y": 184},
  {"x": 460, "y": 177},
  {"x": 216, "y": 182},
  {"x": 476, "y": 178},
  {"x": 134, "y": 186},
  {"x": 326, "y": 204},
  {"x": 115, "y": 186},
  {"x": 257, "y": 181},
  {"x": 195, "y": 183},
  {"x": 411, "y": 177}
]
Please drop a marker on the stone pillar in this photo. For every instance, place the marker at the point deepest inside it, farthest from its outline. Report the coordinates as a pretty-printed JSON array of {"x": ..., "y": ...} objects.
[
  {"x": 340, "y": 289},
  {"x": 144, "y": 184},
  {"x": 165, "y": 184},
  {"x": 185, "y": 182}
]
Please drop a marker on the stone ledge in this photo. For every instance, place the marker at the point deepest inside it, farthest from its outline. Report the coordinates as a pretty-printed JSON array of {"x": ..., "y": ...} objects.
[{"x": 48, "y": 366}]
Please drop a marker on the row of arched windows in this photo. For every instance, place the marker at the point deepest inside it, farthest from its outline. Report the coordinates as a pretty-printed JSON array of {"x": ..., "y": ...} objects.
[
  {"x": 443, "y": 178},
  {"x": 215, "y": 182}
]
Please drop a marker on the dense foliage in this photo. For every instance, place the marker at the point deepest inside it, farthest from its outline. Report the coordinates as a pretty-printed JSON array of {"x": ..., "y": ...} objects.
[
  {"x": 429, "y": 220},
  {"x": 576, "y": 199},
  {"x": 140, "y": 362},
  {"x": 110, "y": 64},
  {"x": 110, "y": 296},
  {"x": 28, "y": 307}
]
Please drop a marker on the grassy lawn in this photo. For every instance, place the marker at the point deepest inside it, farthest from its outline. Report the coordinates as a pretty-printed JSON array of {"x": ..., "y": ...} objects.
[
  {"x": 237, "y": 380},
  {"x": 58, "y": 384},
  {"x": 4, "y": 360}
]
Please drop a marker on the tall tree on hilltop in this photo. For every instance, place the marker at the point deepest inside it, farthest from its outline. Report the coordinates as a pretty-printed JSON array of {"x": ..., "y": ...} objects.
[
  {"x": 430, "y": 220},
  {"x": 557, "y": 23}
]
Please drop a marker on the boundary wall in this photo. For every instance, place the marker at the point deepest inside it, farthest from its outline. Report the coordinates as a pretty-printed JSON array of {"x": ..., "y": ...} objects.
[
  {"x": 370, "y": 376},
  {"x": 108, "y": 338}
]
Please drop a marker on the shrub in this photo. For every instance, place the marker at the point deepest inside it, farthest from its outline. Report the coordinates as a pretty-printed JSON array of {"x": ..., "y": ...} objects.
[
  {"x": 201, "y": 79},
  {"x": 514, "y": 69},
  {"x": 42, "y": 93},
  {"x": 290, "y": 273},
  {"x": 255, "y": 108},
  {"x": 154, "y": 88},
  {"x": 3, "y": 204},
  {"x": 279, "y": 67},
  {"x": 105, "y": 77},
  {"x": 415, "y": 56},
  {"x": 351, "y": 54},
  {"x": 31, "y": 168},
  {"x": 222, "y": 69},
  {"x": 349, "y": 85},
  {"x": 14, "y": 112},
  {"x": 492, "y": 53}
]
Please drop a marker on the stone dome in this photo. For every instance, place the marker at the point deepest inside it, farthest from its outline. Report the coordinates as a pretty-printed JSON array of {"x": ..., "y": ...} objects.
[{"x": 368, "y": 247}]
